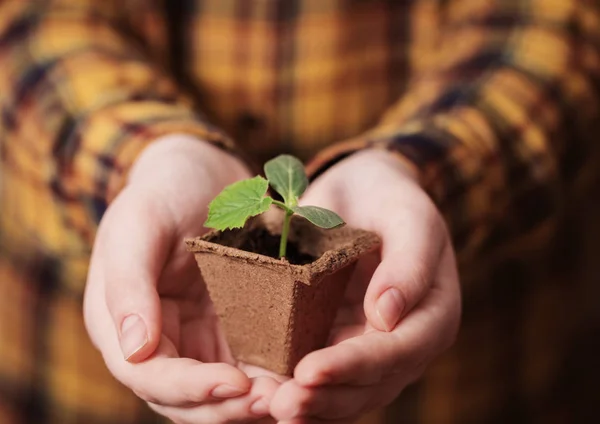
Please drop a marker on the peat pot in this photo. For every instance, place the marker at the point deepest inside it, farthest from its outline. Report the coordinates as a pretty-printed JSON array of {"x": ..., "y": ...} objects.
[{"x": 275, "y": 311}]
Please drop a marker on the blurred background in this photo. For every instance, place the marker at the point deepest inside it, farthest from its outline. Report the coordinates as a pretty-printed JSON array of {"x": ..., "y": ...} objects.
[{"x": 85, "y": 85}]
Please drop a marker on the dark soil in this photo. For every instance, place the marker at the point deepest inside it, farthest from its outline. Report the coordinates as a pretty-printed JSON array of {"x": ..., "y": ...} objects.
[{"x": 261, "y": 241}]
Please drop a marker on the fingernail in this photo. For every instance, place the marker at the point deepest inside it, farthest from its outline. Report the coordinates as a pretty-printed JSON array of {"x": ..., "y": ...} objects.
[
  {"x": 134, "y": 335},
  {"x": 259, "y": 407},
  {"x": 226, "y": 391},
  {"x": 389, "y": 308}
]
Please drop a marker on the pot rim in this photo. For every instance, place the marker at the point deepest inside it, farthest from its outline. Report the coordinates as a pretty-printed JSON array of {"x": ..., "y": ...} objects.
[{"x": 329, "y": 262}]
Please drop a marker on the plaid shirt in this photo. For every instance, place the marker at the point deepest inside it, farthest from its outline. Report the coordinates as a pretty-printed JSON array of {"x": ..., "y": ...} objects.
[{"x": 495, "y": 101}]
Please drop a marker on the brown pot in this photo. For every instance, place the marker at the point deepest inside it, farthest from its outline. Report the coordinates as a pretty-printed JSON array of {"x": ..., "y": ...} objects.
[{"x": 275, "y": 312}]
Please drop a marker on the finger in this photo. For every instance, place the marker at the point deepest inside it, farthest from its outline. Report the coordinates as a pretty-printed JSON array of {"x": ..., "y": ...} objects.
[
  {"x": 168, "y": 380},
  {"x": 132, "y": 249},
  {"x": 253, "y": 371},
  {"x": 412, "y": 245},
  {"x": 250, "y": 407},
  {"x": 331, "y": 402},
  {"x": 358, "y": 361},
  {"x": 164, "y": 378},
  {"x": 401, "y": 354}
]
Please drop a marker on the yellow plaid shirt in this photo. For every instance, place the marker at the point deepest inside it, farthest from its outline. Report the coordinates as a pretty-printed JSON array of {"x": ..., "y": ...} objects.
[{"x": 495, "y": 101}]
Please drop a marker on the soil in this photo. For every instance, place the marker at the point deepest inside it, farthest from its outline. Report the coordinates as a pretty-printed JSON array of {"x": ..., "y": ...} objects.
[
  {"x": 261, "y": 241},
  {"x": 273, "y": 311}
]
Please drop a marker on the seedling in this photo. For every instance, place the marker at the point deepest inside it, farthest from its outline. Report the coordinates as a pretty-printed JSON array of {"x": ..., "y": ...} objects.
[{"x": 244, "y": 199}]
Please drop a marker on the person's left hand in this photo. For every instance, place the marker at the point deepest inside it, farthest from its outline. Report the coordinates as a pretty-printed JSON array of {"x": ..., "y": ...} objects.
[{"x": 393, "y": 322}]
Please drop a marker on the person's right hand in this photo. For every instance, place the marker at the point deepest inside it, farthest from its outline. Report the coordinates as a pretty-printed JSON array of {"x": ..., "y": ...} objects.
[{"x": 146, "y": 307}]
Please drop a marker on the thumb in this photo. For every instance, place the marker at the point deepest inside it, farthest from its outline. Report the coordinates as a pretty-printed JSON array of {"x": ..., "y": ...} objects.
[
  {"x": 412, "y": 247},
  {"x": 135, "y": 244}
]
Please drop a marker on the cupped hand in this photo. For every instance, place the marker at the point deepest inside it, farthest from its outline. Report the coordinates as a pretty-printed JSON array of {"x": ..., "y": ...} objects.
[
  {"x": 146, "y": 308},
  {"x": 402, "y": 307}
]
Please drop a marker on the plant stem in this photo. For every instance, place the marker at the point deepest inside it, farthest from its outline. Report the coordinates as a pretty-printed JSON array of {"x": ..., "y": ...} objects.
[
  {"x": 284, "y": 233},
  {"x": 282, "y": 205}
]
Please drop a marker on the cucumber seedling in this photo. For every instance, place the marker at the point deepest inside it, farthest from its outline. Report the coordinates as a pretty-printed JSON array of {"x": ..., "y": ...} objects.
[{"x": 244, "y": 199}]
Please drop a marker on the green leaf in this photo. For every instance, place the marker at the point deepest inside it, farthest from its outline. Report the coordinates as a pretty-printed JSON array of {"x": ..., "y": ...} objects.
[
  {"x": 321, "y": 217},
  {"x": 238, "y": 202},
  {"x": 286, "y": 175}
]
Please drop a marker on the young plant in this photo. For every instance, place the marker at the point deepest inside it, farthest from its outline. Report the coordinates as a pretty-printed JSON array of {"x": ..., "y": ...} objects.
[{"x": 244, "y": 199}]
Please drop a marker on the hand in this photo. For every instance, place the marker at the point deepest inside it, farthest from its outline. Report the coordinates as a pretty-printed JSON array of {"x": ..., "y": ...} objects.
[
  {"x": 401, "y": 310},
  {"x": 146, "y": 308}
]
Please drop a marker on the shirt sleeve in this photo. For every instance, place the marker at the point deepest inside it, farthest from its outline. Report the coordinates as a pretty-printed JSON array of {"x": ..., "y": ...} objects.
[
  {"x": 81, "y": 97},
  {"x": 500, "y": 117}
]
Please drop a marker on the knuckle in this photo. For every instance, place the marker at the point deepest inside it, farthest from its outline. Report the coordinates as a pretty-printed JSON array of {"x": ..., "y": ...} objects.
[
  {"x": 190, "y": 395},
  {"x": 413, "y": 284}
]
